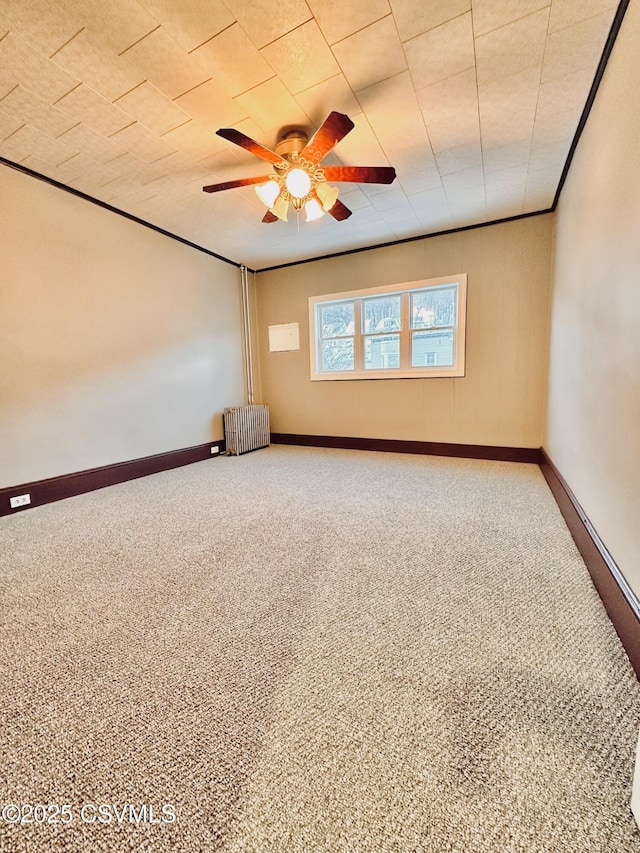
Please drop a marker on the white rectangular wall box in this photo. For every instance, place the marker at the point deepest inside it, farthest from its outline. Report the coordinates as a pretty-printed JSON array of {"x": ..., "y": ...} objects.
[{"x": 284, "y": 338}]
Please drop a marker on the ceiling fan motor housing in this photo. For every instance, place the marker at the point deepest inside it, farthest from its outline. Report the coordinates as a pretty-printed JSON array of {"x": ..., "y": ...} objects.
[{"x": 292, "y": 144}]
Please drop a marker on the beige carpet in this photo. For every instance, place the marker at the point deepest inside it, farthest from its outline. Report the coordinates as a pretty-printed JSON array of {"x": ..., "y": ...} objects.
[{"x": 311, "y": 651}]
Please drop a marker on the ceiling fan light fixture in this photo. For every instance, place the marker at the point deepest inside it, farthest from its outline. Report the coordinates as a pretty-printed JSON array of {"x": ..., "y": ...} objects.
[
  {"x": 268, "y": 193},
  {"x": 298, "y": 183},
  {"x": 328, "y": 195},
  {"x": 313, "y": 210},
  {"x": 280, "y": 208}
]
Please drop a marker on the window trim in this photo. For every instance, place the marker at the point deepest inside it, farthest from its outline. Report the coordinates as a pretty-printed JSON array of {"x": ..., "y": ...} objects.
[{"x": 421, "y": 372}]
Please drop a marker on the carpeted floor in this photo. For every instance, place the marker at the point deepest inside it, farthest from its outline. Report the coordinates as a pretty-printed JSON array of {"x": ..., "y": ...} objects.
[{"x": 311, "y": 651}]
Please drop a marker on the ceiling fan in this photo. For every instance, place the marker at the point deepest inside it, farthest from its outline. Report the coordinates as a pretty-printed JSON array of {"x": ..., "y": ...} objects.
[{"x": 298, "y": 178}]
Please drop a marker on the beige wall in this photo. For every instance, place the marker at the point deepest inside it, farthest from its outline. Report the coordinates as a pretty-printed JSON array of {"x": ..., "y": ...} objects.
[
  {"x": 115, "y": 341},
  {"x": 593, "y": 429},
  {"x": 500, "y": 401}
]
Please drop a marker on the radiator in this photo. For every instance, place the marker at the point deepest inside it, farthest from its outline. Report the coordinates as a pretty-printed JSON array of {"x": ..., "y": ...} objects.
[{"x": 246, "y": 428}]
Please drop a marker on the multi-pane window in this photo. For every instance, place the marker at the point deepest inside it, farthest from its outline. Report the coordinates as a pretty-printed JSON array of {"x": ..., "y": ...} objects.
[{"x": 414, "y": 329}]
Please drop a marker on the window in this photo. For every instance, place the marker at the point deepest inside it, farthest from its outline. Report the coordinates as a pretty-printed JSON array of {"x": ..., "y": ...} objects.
[{"x": 414, "y": 329}]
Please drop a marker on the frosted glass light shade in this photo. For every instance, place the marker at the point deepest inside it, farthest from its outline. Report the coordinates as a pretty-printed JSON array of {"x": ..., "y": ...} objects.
[
  {"x": 313, "y": 210},
  {"x": 280, "y": 208},
  {"x": 327, "y": 195},
  {"x": 268, "y": 193},
  {"x": 298, "y": 183}
]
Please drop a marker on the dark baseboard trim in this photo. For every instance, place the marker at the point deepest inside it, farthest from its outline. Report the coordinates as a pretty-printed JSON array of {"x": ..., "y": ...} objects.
[
  {"x": 622, "y": 606},
  {"x": 428, "y": 448},
  {"x": 68, "y": 485}
]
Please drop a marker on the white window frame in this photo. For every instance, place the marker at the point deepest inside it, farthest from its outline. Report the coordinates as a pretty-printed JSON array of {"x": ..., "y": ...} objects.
[{"x": 404, "y": 371}]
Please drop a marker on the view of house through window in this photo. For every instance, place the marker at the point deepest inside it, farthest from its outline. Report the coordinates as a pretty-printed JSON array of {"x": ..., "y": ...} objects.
[{"x": 413, "y": 329}]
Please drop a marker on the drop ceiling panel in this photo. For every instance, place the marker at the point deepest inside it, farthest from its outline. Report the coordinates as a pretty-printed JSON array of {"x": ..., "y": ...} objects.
[
  {"x": 152, "y": 108},
  {"x": 442, "y": 52},
  {"x": 338, "y": 19},
  {"x": 44, "y": 25},
  {"x": 211, "y": 106},
  {"x": 474, "y": 102},
  {"x": 160, "y": 59},
  {"x": 120, "y": 23},
  {"x": 91, "y": 109},
  {"x": 565, "y": 13},
  {"x": 266, "y": 22},
  {"x": 332, "y": 94},
  {"x": 23, "y": 64},
  {"x": 415, "y": 18},
  {"x": 92, "y": 62},
  {"x": 301, "y": 58},
  {"x": 233, "y": 61},
  {"x": 492, "y": 14},
  {"x": 190, "y": 22},
  {"x": 356, "y": 54},
  {"x": 512, "y": 48}
]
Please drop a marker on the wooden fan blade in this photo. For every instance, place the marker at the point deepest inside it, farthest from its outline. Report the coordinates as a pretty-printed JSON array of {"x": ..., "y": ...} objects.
[
  {"x": 235, "y": 136},
  {"x": 334, "y": 128},
  {"x": 340, "y": 211},
  {"x": 361, "y": 174},
  {"x": 269, "y": 217},
  {"x": 241, "y": 182}
]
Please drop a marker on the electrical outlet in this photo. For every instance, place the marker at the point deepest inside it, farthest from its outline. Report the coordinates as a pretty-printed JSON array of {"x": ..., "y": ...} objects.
[
  {"x": 215, "y": 450},
  {"x": 19, "y": 500}
]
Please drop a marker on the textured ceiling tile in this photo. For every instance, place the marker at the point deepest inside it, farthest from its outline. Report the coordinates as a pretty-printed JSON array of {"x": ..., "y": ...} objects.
[
  {"x": 9, "y": 124},
  {"x": 459, "y": 158},
  {"x": 32, "y": 110},
  {"x": 428, "y": 198},
  {"x": 86, "y": 58},
  {"x": 233, "y": 60},
  {"x": 565, "y": 13},
  {"x": 450, "y": 110},
  {"x": 118, "y": 23},
  {"x": 414, "y": 18},
  {"x": 560, "y": 104},
  {"x": 468, "y": 179},
  {"x": 192, "y": 139},
  {"x": 29, "y": 141},
  {"x": 549, "y": 156},
  {"x": 151, "y": 108},
  {"x": 576, "y": 47},
  {"x": 388, "y": 200},
  {"x": 508, "y": 107},
  {"x": 21, "y": 63},
  {"x": 162, "y": 61},
  {"x": 371, "y": 55},
  {"x": 211, "y": 106},
  {"x": 390, "y": 99},
  {"x": 272, "y": 107},
  {"x": 265, "y": 22},
  {"x": 333, "y": 94},
  {"x": 421, "y": 181},
  {"x": 190, "y": 22},
  {"x": 338, "y": 19},
  {"x": 140, "y": 142},
  {"x": 541, "y": 188},
  {"x": 442, "y": 52},
  {"x": 409, "y": 159},
  {"x": 301, "y": 58},
  {"x": 515, "y": 177},
  {"x": 82, "y": 138},
  {"x": 91, "y": 109},
  {"x": 39, "y": 22},
  {"x": 490, "y": 14},
  {"x": 404, "y": 213},
  {"x": 512, "y": 48},
  {"x": 503, "y": 156}
]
